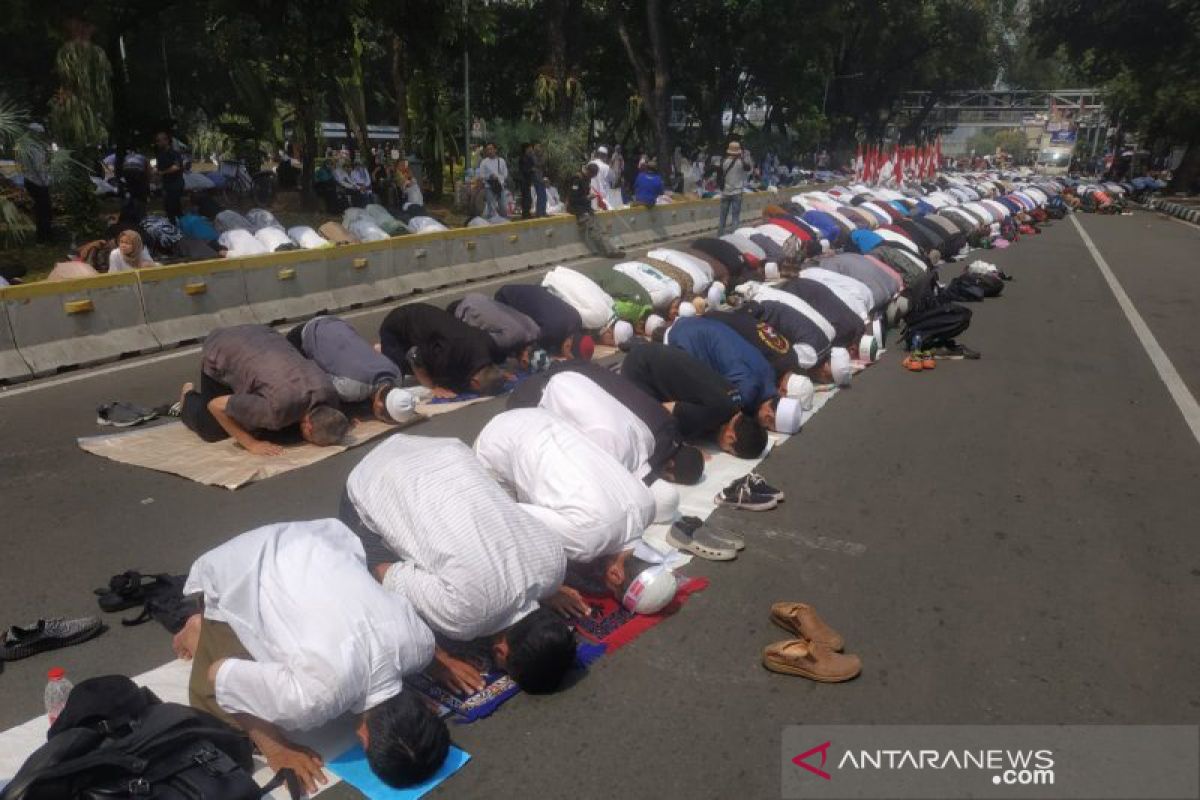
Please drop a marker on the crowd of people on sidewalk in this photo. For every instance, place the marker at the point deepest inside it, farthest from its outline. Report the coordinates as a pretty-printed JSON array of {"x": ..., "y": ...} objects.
[{"x": 439, "y": 549}]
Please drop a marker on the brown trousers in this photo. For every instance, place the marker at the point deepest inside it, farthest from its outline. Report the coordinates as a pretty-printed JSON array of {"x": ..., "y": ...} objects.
[{"x": 217, "y": 641}]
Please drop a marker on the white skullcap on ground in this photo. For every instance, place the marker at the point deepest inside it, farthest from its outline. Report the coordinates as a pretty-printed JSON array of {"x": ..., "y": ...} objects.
[
  {"x": 622, "y": 332},
  {"x": 653, "y": 323},
  {"x": 839, "y": 365},
  {"x": 789, "y": 415},
  {"x": 401, "y": 404},
  {"x": 799, "y": 387}
]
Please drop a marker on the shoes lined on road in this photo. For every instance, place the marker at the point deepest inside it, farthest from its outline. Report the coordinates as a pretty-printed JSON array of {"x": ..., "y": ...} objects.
[
  {"x": 689, "y": 535},
  {"x": 802, "y": 620},
  {"x": 952, "y": 350},
  {"x": 123, "y": 415},
  {"x": 47, "y": 634},
  {"x": 739, "y": 494},
  {"x": 759, "y": 485},
  {"x": 810, "y": 660},
  {"x": 913, "y": 362}
]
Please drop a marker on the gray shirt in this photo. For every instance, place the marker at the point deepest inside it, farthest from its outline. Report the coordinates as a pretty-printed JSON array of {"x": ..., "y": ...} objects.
[
  {"x": 273, "y": 385},
  {"x": 510, "y": 329},
  {"x": 349, "y": 360},
  {"x": 736, "y": 170}
]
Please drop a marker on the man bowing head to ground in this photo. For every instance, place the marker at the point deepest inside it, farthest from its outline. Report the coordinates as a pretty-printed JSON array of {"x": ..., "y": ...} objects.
[
  {"x": 440, "y": 531},
  {"x": 295, "y": 633},
  {"x": 597, "y": 507}
]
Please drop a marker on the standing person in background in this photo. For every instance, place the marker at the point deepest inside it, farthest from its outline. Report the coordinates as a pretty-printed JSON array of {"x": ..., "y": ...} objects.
[
  {"x": 35, "y": 168},
  {"x": 493, "y": 171},
  {"x": 169, "y": 165},
  {"x": 616, "y": 176},
  {"x": 648, "y": 186},
  {"x": 539, "y": 178},
  {"x": 600, "y": 180},
  {"x": 526, "y": 179},
  {"x": 579, "y": 203},
  {"x": 731, "y": 181}
]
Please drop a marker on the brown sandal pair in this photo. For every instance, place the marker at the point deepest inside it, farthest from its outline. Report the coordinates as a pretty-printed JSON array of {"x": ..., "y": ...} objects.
[{"x": 815, "y": 654}]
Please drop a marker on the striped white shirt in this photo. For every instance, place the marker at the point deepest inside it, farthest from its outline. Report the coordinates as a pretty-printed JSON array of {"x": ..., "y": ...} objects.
[
  {"x": 471, "y": 561},
  {"x": 592, "y": 501}
]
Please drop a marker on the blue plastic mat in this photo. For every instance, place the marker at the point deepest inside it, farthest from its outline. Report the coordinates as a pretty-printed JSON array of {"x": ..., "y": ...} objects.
[{"x": 351, "y": 766}]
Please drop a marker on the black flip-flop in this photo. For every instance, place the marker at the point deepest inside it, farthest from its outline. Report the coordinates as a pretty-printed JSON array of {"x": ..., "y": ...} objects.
[{"x": 124, "y": 591}]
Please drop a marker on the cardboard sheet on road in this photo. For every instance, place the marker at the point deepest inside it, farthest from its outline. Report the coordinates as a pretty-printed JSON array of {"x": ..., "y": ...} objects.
[{"x": 173, "y": 448}]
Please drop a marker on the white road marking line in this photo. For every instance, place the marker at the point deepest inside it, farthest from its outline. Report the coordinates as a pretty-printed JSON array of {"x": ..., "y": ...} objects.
[{"x": 1166, "y": 370}]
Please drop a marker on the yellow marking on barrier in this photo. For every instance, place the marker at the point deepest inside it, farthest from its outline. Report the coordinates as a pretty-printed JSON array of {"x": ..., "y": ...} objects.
[
  {"x": 514, "y": 239},
  {"x": 79, "y": 306},
  {"x": 549, "y": 233},
  {"x": 471, "y": 245},
  {"x": 360, "y": 263},
  {"x": 199, "y": 287},
  {"x": 287, "y": 274}
]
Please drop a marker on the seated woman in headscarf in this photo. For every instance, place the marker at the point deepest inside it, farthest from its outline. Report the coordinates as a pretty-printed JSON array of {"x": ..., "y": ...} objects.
[{"x": 129, "y": 253}]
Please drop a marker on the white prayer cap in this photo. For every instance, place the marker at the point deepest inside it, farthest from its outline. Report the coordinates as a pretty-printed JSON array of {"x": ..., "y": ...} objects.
[
  {"x": 653, "y": 323},
  {"x": 868, "y": 349},
  {"x": 982, "y": 268},
  {"x": 654, "y": 587},
  {"x": 622, "y": 332},
  {"x": 666, "y": 502},
  {"x": 789, "y": 415},
  {"x": 716, "y": 294},
  {"x": 602, "y": 150},
  {"x": 686, "y": 309},
  {"x": 401, "y": 404},
  {"x": 877, "y": 331},
  {"x": 839, "y": 365},
  {"x": 799, "y": 387},
  {"x": 825, "y": 248},
  {"x": 771, "y": 271}
]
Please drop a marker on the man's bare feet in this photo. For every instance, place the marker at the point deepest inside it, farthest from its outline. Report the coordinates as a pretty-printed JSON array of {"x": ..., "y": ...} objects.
[
  {"x": 188, "y": 639},
  {"x": 183, "y": 391}
]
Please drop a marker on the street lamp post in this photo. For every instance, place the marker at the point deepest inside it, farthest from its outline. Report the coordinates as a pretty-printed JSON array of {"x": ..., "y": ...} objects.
[{"x": 466, "y": 95}]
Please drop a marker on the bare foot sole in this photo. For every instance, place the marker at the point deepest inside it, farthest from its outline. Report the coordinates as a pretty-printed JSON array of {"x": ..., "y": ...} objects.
[
  {"x": 188, "y": 639},
  {"x": 183, "y": 392}
]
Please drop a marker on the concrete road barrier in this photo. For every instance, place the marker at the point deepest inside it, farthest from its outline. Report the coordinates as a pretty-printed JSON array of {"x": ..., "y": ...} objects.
[
  {"x": 12, "y": 366},
  {"x": 469, "y": 254},
  {"x": 184, "y": 302},
  {"x": 73, "y": 323},
  {"x": 362, "y": 273},
  {"x": 421, "y": 264},
  {"x": 288, "y": 286}
]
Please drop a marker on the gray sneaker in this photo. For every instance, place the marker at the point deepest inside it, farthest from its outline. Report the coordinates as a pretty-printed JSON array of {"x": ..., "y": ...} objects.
[
  {"x": 47, "y": 634},
  {"x": 698, "y": 542}
]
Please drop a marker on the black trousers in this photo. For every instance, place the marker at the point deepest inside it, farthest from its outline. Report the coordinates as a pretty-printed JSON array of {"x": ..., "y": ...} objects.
[
  {"x": 43, "y": 209},
  {"x": 195, "y": 414},
  {"x": 173, "y": 199}
]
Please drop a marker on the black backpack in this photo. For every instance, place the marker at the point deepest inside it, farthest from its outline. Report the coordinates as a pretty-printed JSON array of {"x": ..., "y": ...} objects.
[{"x": 117, "y": 740}]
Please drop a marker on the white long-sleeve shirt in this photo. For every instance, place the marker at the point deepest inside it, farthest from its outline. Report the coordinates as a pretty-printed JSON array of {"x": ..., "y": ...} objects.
[
  {"x": 495, "y": 167},
  {"x": 603, "y": 419},
  {"x": 595, "y": 306},
  {"x": 700, "y": 270},
  {"x": 662, "y": 289},
  {"x": 583, "y": 494},
  {"x": 471, "y": 561},
  {"x": 325, "y": 636}
]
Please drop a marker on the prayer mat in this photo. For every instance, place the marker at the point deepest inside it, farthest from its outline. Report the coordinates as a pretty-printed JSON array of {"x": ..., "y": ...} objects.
[
  {"x": 173, "y": 448},
  {"x": 352, "y": 767},
  {"x": 614, "y": 627},
  {"x": 467, "y": 708}
]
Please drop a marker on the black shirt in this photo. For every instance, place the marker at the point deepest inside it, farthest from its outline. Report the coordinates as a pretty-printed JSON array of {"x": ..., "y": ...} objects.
[
  {"x": 847, "y": 325},
  {"x": 704, "y": 399},
  {"x": 557, "y": 320},
  {"x": 448, "y": 348},
  {"x": 774, "y": 346},
  {"x": 166, "y": 159},
  {"x": 579, "y": 199},
  {"x": 794, "y": 326}
]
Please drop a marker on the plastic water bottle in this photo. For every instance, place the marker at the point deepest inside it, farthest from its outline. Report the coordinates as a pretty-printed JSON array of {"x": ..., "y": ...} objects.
[{"x": 58, "y": 688}]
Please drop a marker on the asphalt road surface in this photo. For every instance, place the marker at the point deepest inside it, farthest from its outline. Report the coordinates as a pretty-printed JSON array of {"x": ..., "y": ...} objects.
[{"x": 1012, "y": 540}]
